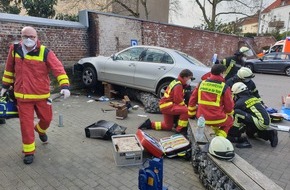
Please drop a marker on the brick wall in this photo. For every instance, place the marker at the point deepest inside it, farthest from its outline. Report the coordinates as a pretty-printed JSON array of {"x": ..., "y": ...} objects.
[
  {"x": 109, "y": 33},
  {"x": 68, "y": 40},
  {"x": 69, "y": 44},
  {"x": 116, "y": 32}
]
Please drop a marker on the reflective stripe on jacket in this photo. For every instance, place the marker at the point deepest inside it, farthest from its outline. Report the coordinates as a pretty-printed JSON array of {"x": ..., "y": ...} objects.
[
  {"x": 168, "y": 99},
  {"x": 29, "y": 74},
  {"x": 213, "y": 99}
]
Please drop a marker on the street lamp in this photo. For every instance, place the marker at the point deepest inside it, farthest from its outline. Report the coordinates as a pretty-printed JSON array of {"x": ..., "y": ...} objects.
[
  {"x": 287, "y": 25},
  {"x": 259, "y": 19}
]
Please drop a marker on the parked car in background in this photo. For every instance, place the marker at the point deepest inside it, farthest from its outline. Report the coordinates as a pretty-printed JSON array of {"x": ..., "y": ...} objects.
[
  {"x": 276, "y": 62},
  {"x": 147, "y": 68}
]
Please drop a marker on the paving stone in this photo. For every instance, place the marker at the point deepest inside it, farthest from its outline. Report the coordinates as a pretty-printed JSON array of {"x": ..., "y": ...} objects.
[{"x": 72, "y": 161}]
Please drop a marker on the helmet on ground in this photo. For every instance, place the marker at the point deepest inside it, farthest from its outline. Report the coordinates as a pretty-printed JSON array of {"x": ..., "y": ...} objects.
[
  {"x": 244, "y": 51},
  {"x": 239, "y": 87},
  {"x": 245, "y": 73},
  {"x": 221, "y": 147}
]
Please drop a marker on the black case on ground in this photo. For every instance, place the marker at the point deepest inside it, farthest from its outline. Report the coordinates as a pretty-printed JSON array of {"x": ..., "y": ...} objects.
[{"x": 104, "y": 130}]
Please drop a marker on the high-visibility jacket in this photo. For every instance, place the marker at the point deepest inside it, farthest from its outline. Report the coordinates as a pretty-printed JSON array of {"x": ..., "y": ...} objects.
[
  {"x": 213, "y": 99},
  {"x": 256, "y": 114},
  {"x": 174, "y": 94},
  {"x": 233, "y": 65},
  {"x": 29, "y": 74}
]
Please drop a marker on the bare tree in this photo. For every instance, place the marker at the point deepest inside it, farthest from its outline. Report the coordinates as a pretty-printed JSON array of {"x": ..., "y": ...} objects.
[
  {"x": 174, "y": 8},
  {"x": 129, "y": 6},
  {"x": 211, "y": 14}
]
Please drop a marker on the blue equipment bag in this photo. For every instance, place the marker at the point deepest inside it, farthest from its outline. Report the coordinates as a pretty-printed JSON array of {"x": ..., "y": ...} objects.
[
  {"x": 8, "y": 108},
  {"x": 151, "y": 177}
]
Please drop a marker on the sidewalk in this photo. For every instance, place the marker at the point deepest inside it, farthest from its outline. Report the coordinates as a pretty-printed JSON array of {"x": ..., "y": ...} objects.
[{"x": 72, "y": 161}]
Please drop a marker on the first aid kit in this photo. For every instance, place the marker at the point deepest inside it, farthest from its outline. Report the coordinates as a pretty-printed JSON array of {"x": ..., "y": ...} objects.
[{"x": 173, "y": 146}]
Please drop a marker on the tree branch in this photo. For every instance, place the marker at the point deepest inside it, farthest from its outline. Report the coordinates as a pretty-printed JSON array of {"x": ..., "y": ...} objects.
[{"x": 232, "y": 12}]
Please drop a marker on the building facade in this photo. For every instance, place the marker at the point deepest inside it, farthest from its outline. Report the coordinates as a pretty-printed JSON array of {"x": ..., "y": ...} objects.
[
  {"x": 153, "y": 10},
  {"x": 275, "y": 17}
]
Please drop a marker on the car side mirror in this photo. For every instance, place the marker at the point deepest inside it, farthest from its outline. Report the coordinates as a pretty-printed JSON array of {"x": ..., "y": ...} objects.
[{"x": 113, "y": 57}]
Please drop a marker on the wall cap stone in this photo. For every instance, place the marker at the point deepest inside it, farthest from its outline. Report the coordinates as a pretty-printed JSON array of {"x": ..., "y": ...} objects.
[{"x": 39, "y": 21}]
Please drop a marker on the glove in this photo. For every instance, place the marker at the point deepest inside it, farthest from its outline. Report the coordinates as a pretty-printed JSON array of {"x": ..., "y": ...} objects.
[
  {"x": 3, "y": 91},
  {"x": 65, "y": 92}
]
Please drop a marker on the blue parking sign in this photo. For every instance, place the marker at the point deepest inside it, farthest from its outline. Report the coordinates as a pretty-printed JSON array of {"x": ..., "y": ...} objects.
[{"x": 134, "y": 42}]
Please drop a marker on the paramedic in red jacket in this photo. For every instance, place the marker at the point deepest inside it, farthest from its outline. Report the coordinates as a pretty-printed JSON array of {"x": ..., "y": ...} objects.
[
  {"x": 27, "y": 70},
  {"x": 172, "y": 104},
  {"x": 212, "y": 98}
]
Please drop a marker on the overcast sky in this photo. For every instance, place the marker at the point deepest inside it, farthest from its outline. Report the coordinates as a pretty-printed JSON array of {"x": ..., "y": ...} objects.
[{"x": 190, "y": 14}]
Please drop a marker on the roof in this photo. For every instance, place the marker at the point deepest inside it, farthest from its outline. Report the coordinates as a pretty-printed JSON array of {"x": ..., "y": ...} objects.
[
  {"x": 250, "y": 20},
  {"x": 276, "y": 4}
]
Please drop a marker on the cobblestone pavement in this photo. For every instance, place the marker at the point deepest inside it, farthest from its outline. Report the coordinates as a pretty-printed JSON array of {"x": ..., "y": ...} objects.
[{"x": 72, "y": 161}]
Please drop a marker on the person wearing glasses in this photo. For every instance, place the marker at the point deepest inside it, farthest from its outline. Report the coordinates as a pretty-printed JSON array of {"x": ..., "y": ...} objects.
[
  {"x": 172, "y": 104},
  {"x": 27, "y": 71}
]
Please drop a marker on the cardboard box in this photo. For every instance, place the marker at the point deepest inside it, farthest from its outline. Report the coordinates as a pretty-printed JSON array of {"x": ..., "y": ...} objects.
[
  {"x": 127, "y": 150},
  {"x": 121, "y": 113},
  {"x": 109, "y": 91}
]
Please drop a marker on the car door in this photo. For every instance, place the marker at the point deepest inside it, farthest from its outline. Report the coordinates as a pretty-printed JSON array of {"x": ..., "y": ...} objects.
[
  {"x": 121, "y": 68},
  {"x": 268, "y": 63},
  {"x": 274, "y": 62},
  {"x": 152, "y": 66}
]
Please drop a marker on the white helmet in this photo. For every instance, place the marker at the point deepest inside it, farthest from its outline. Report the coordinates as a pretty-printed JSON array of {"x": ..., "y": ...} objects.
[
  {"x": 245, "y": 73},
  {"x": 245, "y": 51},
  {"x": 221, "y": 147},
  {"x": 239, "y": 87}
]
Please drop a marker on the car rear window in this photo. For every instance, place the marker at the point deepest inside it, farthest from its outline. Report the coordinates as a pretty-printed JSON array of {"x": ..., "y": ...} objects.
[{"x": 190, "y": 59}]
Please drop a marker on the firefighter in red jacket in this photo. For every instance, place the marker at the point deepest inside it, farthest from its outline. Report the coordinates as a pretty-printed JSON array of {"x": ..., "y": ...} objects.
[
  {"x": 212, "y": 98},
  {"x": 27, "y": 70},
  {"x": 172, "y": 104}
]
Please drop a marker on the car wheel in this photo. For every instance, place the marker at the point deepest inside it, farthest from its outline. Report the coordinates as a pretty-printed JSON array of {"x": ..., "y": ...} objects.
[
  {"x": 250, "y": 67},
  {"x": 161, "y": 89},
  {"x": 89, "y": 77},
  {"x": 287, "y": 71}
]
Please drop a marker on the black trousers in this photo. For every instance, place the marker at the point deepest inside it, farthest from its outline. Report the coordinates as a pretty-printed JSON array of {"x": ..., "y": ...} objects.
[{"x": 246, "y": 124}]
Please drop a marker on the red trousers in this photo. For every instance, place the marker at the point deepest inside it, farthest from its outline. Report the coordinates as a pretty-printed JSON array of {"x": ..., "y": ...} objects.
[
  {"x": 168, "y": 115},
  {"x": 26, "y": 111},
  {"x": 222, "y": 129}
]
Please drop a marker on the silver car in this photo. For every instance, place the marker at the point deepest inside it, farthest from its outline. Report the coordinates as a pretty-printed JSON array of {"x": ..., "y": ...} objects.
[{"x": 147, "y": 68}]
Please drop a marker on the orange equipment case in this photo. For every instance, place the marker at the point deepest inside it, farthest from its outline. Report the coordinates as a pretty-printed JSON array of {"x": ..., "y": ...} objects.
[{"x": 150, "y": 144}]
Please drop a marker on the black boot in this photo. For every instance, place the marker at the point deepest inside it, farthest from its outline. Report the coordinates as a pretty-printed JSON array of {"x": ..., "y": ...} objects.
[
  {"x": 182, "y": 131},
  {"x": 43, "y": 138},
  {"x": 241, "y": 142},
  {"x": 244, "y": 144},
  {"x": 28, "y": 159},
  {"x": 2, "y": 121},
  {"x": 145, "y": 125},
  {"x": 236, "y": 139},
  {"x": 273, "y": 138}
]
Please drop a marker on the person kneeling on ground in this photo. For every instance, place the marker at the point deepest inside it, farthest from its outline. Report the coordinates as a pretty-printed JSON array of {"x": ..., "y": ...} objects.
[
  {"x": 212, "y": 98},
  {"x": 250, "y": 117},
  {"x": 172, "y": 104}
]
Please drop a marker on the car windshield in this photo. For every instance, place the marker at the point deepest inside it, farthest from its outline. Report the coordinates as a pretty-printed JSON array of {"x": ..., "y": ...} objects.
[{"x": 190, "y": 59}]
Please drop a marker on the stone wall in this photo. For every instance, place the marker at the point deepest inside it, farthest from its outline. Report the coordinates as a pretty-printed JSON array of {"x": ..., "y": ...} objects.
[{"x": 104, "y": 34}]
